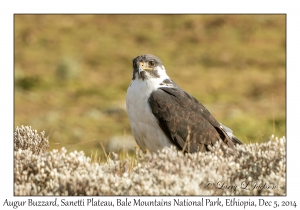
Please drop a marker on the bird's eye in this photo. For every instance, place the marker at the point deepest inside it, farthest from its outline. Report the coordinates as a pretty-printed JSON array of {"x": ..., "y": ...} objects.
[{"x": 151, "y": 63}]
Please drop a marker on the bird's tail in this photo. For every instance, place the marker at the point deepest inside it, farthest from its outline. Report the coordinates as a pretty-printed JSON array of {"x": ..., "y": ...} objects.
[
  {"x": 229, "y": 132},
  {"x": 235, "y": 140}
]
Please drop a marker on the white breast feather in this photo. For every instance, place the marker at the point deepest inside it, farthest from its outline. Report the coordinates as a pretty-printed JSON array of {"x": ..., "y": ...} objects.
[{"x": 144, "y": 124}]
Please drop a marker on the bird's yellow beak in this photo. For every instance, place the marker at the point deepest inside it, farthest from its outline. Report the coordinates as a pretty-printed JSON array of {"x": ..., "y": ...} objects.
[{"x": 144, "y": 66}]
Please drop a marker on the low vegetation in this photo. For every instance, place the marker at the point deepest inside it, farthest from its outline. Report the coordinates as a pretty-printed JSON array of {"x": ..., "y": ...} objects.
[{"x": 253, "y": 169}]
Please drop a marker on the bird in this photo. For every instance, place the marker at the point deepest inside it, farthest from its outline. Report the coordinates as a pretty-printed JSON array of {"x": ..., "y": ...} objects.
[{"x": 161, "y": 114}]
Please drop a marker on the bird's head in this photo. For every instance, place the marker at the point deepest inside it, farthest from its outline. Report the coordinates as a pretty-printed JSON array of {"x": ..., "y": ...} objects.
[{"x": 147, "y": 67}]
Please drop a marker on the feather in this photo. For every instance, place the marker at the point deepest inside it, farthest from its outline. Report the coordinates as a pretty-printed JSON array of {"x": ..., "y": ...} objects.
[{"x": 188, "y": 121}]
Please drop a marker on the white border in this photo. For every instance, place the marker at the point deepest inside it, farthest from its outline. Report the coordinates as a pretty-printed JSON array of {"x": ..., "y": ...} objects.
[{"x": 8, "y": 8}]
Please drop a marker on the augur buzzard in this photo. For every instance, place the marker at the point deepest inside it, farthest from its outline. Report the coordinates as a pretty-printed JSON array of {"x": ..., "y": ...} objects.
[{"x": 161, "y": 114}]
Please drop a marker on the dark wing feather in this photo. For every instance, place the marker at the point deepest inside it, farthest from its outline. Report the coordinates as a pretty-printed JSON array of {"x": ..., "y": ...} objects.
[{"x": 185, "y": 121}]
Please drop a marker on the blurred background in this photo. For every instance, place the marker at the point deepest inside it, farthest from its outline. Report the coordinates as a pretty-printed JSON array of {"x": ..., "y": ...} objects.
[{"x": 72, "y": 72}]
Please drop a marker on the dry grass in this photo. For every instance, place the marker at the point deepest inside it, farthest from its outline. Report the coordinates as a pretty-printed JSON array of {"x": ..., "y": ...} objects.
[{"x": 254, "y": 169}]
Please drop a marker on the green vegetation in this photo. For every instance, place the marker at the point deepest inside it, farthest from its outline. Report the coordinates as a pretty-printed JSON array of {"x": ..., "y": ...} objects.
[{"x": 72, "y": 71}]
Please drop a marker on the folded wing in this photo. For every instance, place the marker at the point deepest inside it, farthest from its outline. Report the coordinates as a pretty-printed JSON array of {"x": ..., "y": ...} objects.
[{"x": 186, "y": 122}]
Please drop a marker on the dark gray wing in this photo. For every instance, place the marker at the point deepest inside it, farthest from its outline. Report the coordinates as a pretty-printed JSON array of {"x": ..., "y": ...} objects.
[{"x": 185, "y": 121}]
